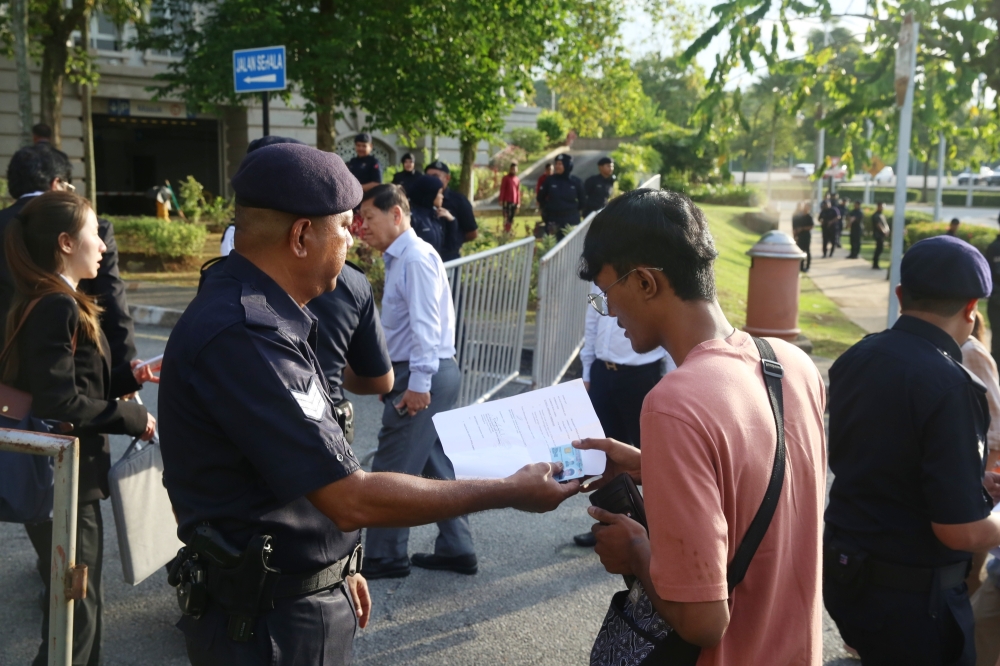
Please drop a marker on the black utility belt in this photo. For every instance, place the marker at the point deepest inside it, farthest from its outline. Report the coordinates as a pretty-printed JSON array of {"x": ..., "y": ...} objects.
[
  {"x": 243, "y": 583},
  {"x": 850, "y": 565}
]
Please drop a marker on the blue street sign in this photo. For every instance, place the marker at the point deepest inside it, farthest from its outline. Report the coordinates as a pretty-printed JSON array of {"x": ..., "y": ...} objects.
[{"x": 258, "y": 70}]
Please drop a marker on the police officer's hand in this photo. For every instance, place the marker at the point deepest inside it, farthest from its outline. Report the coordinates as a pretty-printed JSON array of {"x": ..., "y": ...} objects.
[
  {"x": 150, "y": 430},
  {"x": 622, "y": 543},
  {"x": 414, "y": 402},
  {"x": 537, "y": 491},
  {"x": 622, "y": 459},
  {"x": 445, "y": 214},
  {"x": 991, "y": 481},
  {"x": 362, "y": 600}
]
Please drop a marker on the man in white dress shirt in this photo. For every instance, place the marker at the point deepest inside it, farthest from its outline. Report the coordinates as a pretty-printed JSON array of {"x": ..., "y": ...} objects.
[
  {"x": 618, "y": 380},
  {"x": 419, "y": 322}
]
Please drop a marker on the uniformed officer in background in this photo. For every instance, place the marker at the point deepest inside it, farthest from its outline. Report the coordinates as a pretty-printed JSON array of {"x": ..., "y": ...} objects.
[
  {"x": 268, "y": 495},
  {"x": 365, "y": 166},
  {"x": 562, "y": 197},
  {"x": 408, "y": 173},
  {"x": 907, "y": 508},
  {"x": 460, "y": 208},
  {"x": 598, "y": 188}
]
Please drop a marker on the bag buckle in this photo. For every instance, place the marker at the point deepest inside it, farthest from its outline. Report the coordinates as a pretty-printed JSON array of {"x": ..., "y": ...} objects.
[{"x": 773, "y": 369}]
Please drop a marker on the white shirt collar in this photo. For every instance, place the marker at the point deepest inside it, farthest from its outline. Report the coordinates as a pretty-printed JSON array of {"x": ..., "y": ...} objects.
[
  {"x": 403, "y": 241},
  {"x": 68, "y": 281},
  {"x": 31, "y": 194}
]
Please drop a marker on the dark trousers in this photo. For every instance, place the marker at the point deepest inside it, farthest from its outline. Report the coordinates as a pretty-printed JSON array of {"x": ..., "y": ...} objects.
[
  {"x": 556, "y": 224},
  {"x": 313, "y": 629},
  {"x": 889, "y": 627},
  {"x": 855, "y": 240},
  {"x": 829, "y": 238},
  {"x": 509, "y": 211},
  {"x": 993, "y": 314},
  {"x": 804, "y": 240},
  {"x": 88, "y": 612},
  {"x": 618, "y": 394},
  {"x": 879, "y": 244}
]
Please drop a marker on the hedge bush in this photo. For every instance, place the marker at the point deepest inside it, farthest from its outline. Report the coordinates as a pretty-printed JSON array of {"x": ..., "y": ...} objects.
[
  {"x": 554, "y": 125},
  {"x": 881, "y": 194},
  {"x": 153, "y": 237},
  {"x": 720, "y": 195},
  {"x": 976, "y": 235},
  {"x": 633, "y": 161},
  {"x": 529, "y": 138},
  {"x": 979, "y": 198}
]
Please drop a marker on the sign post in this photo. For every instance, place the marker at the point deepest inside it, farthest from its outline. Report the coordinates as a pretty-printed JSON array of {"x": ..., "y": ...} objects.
[
  {"x": 260, "y": 70},
  {"x": 906, "y": 67}
]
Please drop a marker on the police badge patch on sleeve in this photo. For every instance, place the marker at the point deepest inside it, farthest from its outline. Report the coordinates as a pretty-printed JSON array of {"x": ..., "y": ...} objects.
[{"x": 312, "y": 402}]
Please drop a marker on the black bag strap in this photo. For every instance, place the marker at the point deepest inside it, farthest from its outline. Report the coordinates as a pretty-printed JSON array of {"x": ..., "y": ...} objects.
[{"x": 773, "y": 372}]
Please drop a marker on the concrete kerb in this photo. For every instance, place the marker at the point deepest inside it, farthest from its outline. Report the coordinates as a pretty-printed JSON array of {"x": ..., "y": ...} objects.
[{"x": 151, "y": 315}]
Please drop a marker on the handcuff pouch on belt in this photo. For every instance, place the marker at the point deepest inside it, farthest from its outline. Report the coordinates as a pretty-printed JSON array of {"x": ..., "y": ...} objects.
[
  {"x": 243, "y": 583},
  {"x": 343, "y": 410}
]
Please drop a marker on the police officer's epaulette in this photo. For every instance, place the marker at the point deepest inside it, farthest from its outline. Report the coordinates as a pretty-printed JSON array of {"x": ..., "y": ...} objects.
[
  {"x": 354, "y": 266},
  {"x": 971, "y": 375}
]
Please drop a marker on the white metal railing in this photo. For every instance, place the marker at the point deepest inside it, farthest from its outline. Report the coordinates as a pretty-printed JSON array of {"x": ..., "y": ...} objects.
[
  {"x": 67, "y": 581},
  {"x": 562, "y": 305},
  {"x": 490, "y": 290}
]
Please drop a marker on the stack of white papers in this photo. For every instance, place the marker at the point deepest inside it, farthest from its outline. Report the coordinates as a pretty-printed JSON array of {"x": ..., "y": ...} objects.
[{"x": 495, "y": 439}]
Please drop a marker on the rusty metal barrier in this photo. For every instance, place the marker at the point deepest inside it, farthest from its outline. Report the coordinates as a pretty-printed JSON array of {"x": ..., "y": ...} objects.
[{"x": 68, "y": 581}]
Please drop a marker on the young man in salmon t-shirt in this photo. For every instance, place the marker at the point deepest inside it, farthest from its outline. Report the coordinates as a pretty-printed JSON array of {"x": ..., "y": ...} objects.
[{"x": 708, "y": 444}]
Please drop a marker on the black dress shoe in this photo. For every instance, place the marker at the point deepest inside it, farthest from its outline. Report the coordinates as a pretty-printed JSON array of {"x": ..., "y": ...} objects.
[
  {"x": 374, "y": 568},
  {"x": 463, "y": 564},
  {"x": 585, "y": 540}
]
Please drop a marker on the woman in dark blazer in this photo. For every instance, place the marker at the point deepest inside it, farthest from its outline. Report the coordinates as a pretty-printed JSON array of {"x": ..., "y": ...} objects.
[{"x": 60, "y": 356}]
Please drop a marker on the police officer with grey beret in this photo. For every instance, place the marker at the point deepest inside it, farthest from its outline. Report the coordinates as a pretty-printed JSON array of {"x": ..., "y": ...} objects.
[
  {"x": 268, "y": 495},
  {"x": 909, "y": 501}
]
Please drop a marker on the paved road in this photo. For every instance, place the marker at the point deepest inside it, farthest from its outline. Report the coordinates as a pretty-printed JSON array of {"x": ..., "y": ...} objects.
[{"x": 537, "y": 599}]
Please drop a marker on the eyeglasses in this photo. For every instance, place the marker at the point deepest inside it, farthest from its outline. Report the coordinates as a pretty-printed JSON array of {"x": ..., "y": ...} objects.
[{"x": 600, "y": 301}]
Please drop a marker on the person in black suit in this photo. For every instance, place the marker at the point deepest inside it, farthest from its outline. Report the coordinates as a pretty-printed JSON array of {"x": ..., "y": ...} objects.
[
  {"x": 59, "y": 354},
  {"x": 42, "y": 168}
]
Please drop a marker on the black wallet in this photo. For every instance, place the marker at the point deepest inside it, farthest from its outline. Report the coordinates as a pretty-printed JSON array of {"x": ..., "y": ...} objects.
[{"x": 621, "y": 495}]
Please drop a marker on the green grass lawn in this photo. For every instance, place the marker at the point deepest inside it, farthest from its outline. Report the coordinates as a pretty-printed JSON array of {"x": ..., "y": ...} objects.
[{"x": 819, "y": 317}]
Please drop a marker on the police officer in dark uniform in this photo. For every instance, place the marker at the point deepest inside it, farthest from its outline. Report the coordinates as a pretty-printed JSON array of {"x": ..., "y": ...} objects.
[
  {"x": 408, "y": 173},
  {"x": 364, "y": 165},
  {"x": 993, "y": 305},
  {"x": 598, "y": 187},
  {"x": 907, "y": 436},
  {"x": 268, "y": 495},
  {"x": 460, "y": 208},
  {"x": 562, "y": 197}
]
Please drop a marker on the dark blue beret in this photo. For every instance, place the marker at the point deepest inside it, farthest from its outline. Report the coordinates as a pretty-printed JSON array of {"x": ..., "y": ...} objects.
[
  {"x": 296, "y": 178},
  {"x": 439, "y": 165},
  {"x": 945, "y": 267},
  {"x": 364, "y": 137},
  {"x": 605, "y": 160},
  {"x": 270, "y": 140}
]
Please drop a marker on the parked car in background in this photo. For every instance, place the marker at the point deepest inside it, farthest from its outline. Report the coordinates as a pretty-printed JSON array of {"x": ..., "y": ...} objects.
[
  {"x": 984, "y": 176},
  {"x": 885, "y": 175},
  {"x": 803, "y": 170},
  {"x": 838, "y": 172}
]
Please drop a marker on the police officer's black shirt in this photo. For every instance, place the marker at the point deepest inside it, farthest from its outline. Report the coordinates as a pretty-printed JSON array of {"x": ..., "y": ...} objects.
[
  {"x": 828, "y": 215},
  {"x": 350, "y": 330},
  {"x": 562, "y": 197},
  {"x": 465, "y": 221},
  {"x": 907, "y": 434},
  {"x": 404, "y": 177},
  {"x": 598, "y": 191},
  {"x": 993, "y": 258},
  {"x": 365, "y": 169},
  {"x": 246, "y": 420}
]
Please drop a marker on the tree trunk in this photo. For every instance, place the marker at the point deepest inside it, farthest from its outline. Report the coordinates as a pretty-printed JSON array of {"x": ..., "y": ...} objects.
[
  {"x": 927, "y": 165},
  {"x": 19, "y": 28},
  {"x": 468, "y": 148},
  {"x": 89, "y": 167},
  {"x": 54, "y": 57},
  {"x": 326, "y": 128},
  {"x": 434, "y": 147}
]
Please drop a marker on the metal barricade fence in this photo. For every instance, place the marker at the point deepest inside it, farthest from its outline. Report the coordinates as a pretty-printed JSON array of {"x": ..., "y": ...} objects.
[
  {"x": 490, "y": 291},
  {"x": 562, "y": 304},
  {"x": 67, "y": 581}
]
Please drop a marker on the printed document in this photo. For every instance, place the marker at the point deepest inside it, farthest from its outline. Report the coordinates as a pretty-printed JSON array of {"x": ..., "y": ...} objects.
[{"x": 495, "y": 439}]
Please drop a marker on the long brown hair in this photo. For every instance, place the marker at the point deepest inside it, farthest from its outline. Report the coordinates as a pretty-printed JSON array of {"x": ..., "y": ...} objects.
[
  {"x": 33, "y": 255},
  {"x": 979, "y": 327}
]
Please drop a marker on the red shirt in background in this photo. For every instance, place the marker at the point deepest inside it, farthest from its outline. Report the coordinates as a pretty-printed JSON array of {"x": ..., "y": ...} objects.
[
  {"x": 510, "y": 189},
  {"x": 541, "y": 180}
]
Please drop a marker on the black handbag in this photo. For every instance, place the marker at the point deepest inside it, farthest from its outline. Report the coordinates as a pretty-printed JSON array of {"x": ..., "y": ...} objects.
[{"x": 633, "y": 633}]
